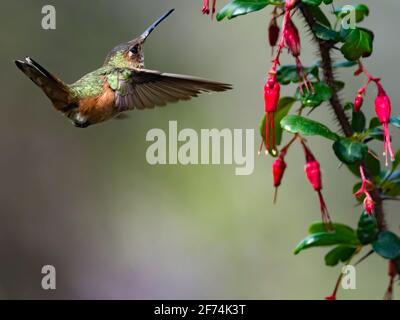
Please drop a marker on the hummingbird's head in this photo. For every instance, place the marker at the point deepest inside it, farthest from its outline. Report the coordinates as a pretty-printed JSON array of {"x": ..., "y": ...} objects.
[{"x": 130, "y": 54}]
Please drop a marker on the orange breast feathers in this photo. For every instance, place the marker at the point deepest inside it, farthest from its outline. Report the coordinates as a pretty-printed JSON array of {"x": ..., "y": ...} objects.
[{"x": 100, "y": 108}]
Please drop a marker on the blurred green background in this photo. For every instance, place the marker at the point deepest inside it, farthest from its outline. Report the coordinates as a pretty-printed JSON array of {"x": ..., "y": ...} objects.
[{"x": 87, "y": 202}]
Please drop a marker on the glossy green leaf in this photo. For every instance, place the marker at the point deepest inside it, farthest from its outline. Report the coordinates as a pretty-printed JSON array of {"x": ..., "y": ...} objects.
[
  {"x": 349, "y": 151},
  {"x": 324, "y": 33},
  {"x": 373, "y": 165},
  {"x": 306, "y": 127},
  {"x": 376, "y": 133},
  {"x": 339, "y": 254},
  {"x": 314, "y": 98},
  {"x": 319, "y": 16},
  {"x": 391, "y": 186},
  {"x": 395, "y": 121},
  {"x": 374, "y": 123},
  {"x": 358, "y": 43},
  {"x": 316, "y": 2},
  {"x": 361, "y": 11},
  {"x": 344, "y": 64},
  {"x": 284, "y": 106},
  {"x": 396, "y": 161},
  {"x": 367, "y": 230},
  {"x": 237, "y": 8},
  {"x": 288, "y": 73},
  {"x": 340, "y": 228},
  {"x": 358, "y": 121},
  {"x": 319, "y": 237},
  {"x": 387, "y": 245}
]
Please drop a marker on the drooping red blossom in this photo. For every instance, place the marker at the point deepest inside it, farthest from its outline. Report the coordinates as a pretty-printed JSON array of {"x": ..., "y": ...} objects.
[
  {"x": 206, "y": 7},
  {"x": 383, "y": 109},
  {"x": 392, "y": 273},
  {"x": 313, "y": 173},
  {"x": 366, "y": 187},
  {"x": 358, "y": 102},
  {"x": 292, "y": 37},
  {"x": 272, "y": 90},
  {"x": 369, "y": 204}
]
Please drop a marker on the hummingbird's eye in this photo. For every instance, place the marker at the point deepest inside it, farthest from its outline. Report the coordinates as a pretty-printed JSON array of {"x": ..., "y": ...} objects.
[{"x": 135, "y": 49}]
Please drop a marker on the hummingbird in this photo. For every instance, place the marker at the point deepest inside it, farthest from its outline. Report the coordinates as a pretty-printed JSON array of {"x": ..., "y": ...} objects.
[{"x": 121, "y": 84}]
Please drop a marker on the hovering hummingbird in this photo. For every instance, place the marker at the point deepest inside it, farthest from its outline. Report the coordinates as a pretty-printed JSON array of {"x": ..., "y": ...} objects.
[{"x": 121, "y": 84}]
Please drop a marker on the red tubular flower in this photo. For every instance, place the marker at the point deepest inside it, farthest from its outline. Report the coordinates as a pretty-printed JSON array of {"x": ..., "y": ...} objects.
[
  {"x": 292, "y": 38},
  {"x": 358, "y": 102},
  {"x": 366, "y": 187},
  {"x": 369, "y": 204},
  {"x": 313, "y": 173},
  {"x": 271, "y": 98},
  {"x": 278, "y": 169},
  {"x": 383, "y": 109},
  {"x": 206, "y": 7}
]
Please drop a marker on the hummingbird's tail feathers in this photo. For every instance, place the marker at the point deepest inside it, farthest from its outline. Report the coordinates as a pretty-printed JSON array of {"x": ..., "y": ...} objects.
[{"x": 56, "y": 90}]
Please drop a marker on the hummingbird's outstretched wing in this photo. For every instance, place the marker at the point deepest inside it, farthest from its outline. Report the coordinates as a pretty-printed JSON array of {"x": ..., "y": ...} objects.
[{"x": 143, "y": 89}]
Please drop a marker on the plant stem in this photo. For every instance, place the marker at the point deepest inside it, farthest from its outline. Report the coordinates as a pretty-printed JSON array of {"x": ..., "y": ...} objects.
[{"x": 324, "y": 50}]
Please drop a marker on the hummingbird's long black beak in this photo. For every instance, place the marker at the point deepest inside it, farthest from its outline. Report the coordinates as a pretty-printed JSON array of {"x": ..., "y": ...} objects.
[{"x": 154, "y": 25}]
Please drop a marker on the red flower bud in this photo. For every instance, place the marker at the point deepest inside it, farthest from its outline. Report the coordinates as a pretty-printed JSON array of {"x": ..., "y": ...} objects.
[
  {"x": 358, "y": 102},
  {"x": 383, "y": 109},
  {"x": 278, "y": 169},
  {"x": 382, "y": 105},
  {"x": 273, "y": 32},
  {"x": 313, "y": 173},
  {"x": 292, "y": 38}
]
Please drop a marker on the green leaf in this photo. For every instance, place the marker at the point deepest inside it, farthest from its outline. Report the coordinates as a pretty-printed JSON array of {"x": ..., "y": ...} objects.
[
  {"x": 358, "y": 121},
  {"x": 349, "y": 151},
  {"x": 391, "y": 185},
  {"x": 396, "y": 161},
  {"x": 339, "y": 254},
  {"x": 344, "y": 64},
  {"x": 306, "y": 127},
  {"x": 284, "y": 106},
  {"x": 376, "y": 133},
  {"x": 316, "y": 2},
  {"x": 237, "y": 8},
  {"x": 320, "y": 237},
  {"x": 374, "y": 123},
  {"x": 348, "y": 106},
  {"x": 361, "y": 11},
  {"x": 288, "y": 73},
  {"x": 324, "y": 33},
  {"x": 358, "y": 43},
  {"x": 395, "y": 121},
  {"x": 314, "y": 98},
  {"x": 319, "y": 16},
  {"x": 372, "y": 164},
  {"x": 340, "y": 228},
  {"x": 367, "y": 230},
  {"x": 387, "y": 245}
]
